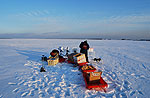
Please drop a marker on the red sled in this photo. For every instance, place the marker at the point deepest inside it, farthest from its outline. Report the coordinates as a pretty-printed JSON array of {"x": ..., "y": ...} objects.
[
  {"x": 71, "y": 62},
  {"x": 61, "y": 60},
  {"x": 100, "y": 83},
  {"x": 82, "y": 64}
]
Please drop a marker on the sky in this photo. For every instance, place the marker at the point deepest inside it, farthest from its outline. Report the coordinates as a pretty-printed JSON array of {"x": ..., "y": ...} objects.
[{"x": 96, "y": 18}]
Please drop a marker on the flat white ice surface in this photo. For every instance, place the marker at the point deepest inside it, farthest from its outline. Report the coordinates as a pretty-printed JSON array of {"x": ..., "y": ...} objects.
[{"x": 126, "y": 68}]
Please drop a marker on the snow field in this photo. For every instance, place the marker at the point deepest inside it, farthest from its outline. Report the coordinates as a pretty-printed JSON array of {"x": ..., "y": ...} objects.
[
  {"x": 59, "y": 81},
  {"x": 125, "y": 68}
]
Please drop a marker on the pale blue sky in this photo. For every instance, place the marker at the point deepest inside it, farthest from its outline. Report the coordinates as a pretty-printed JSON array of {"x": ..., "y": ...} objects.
[{"x": 103, "y": 17}]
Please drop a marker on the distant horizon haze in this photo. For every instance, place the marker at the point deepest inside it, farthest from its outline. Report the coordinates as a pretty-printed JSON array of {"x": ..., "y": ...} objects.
[{"x": 74, "y": 35}]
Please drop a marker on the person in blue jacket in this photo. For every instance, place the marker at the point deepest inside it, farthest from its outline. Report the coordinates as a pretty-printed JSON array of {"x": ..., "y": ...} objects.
[{"x": 84, "y": 46}]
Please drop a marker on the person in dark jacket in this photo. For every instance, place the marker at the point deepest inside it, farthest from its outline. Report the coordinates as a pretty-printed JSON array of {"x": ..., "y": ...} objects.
[{"x": 84, "y": 49}]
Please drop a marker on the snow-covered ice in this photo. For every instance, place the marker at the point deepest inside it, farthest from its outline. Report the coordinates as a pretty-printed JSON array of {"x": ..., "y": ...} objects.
[{"x": 126, "y": 68}]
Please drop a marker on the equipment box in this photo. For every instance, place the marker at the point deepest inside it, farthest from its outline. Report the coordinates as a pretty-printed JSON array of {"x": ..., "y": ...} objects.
[
  {"x": 53, "y": 61},
  {"x": 79, "y": 58},
  {"x": 94, "y": 76},
  {"x": 88, "y": 68}
]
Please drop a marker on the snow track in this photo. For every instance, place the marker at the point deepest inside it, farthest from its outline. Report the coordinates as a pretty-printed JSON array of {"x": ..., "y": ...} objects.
[
  {"x": 61, "y": 80},
  {"x": 64, "y": 80}
]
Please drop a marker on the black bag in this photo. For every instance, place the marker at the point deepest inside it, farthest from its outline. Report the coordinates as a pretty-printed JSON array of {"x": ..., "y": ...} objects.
[{"x": 44, "y": 58}]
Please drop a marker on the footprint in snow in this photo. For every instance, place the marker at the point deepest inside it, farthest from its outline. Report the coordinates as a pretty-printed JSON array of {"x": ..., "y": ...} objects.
[
  {"x": 41, "y": 94},
  {"x": 126, "y": 85},
  {"x": 140, "y": 92},
  {"x": 68, "y": 92},
  {"x": 144, "y": 66},
  {"x": 123, "y": 95},
  {"x": 132, "y": 93},
  {"x": 46, "y": 79},
  {"x": 31, "y": 93},
  {"x": 117, "y": 95},
  {"x": 22, "y": 82},
  {"x": 107, "y": 94},
  {"x": 113, "y": 75},
  {"x": 24, "y": 94},
  {"x": 118, "y": 89},
  {"x": 48, "y": 91},
  {"x": 136, "y": 92},
  {"x": 16, "y": 90},
  {"x": 33, "y": 78}
]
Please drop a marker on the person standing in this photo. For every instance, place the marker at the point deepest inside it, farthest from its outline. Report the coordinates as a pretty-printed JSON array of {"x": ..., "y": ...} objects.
[{"x": 84, "y": 46}]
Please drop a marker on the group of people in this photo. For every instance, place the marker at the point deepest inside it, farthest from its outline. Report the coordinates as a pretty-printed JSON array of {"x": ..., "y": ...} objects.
[{"x": 84, "y": 46}]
